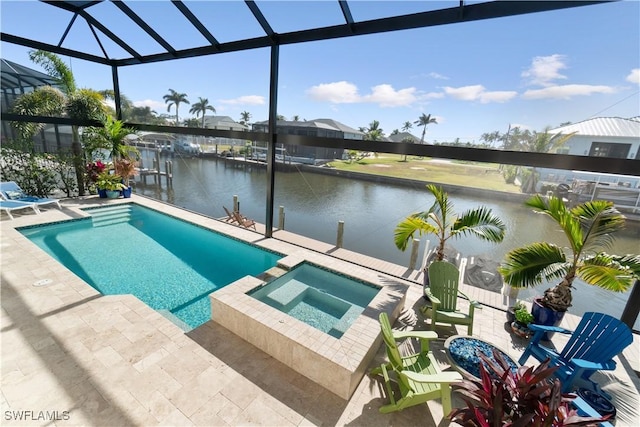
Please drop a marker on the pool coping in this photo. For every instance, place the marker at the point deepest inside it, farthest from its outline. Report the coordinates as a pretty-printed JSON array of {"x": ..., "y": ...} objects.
[{"x": 338, "y": 364}]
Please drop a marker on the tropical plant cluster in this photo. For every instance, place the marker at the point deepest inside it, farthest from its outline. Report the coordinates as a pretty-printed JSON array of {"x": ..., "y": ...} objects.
[{"x": 525, "y": 397}]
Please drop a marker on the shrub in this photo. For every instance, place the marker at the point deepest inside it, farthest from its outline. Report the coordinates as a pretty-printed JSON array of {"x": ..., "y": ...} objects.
[{"x": 526, "y": 397}]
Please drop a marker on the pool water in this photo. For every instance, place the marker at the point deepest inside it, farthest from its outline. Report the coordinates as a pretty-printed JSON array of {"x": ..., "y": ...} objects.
[
  {"x": 326, "y": 300},
  {"x": 169, "y": 264}
]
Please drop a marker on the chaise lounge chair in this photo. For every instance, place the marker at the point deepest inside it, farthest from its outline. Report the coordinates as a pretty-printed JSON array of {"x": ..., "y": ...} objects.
[
  {"x": 12, "y": 192},
  {"x": 12, "y": 205},
  {"x": 244, "y": 221},
  {"x": 230, "y": 218}
]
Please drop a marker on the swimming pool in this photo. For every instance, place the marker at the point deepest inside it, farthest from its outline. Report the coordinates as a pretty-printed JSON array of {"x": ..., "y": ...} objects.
[
  {"x": 325, "y": 300},
  {"x": 169, "y": 264}
]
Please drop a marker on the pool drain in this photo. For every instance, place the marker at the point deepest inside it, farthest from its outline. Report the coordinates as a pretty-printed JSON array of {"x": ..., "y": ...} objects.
[{"x": 43, "y": 282}]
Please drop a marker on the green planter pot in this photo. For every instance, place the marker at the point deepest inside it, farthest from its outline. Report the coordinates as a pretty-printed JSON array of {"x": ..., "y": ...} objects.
[{"x": 113, "y": 194}]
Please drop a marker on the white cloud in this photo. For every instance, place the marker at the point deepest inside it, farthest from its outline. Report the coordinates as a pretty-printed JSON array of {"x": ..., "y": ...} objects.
[
  {"x": 344, "y": 92},
  {"x": 566, "y": 91},
  {"x": 245, "y": 100},
  {"x": 544, "y": 69},
  {"x": 465, "y": 93},
  {"x": 338, "y": 92},
  {"x": 634, "y": 76},
  {"x": 438, "y": 76},
  {"x": 479, "y": 93},
  {"x": 154, "y": 105},
  {"x": 386, "y": 96}
]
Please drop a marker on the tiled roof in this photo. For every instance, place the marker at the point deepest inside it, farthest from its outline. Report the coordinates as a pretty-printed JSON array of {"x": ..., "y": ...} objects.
[{"x": 603, "y": 126}]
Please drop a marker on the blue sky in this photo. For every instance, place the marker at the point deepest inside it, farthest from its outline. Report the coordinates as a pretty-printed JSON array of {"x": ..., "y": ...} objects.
[{"x": 531, "y": 71}]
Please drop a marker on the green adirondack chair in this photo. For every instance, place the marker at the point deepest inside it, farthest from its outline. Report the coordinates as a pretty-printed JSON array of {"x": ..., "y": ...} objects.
[
  {"x": 418, "y": 375},
  {"x": 443, "y": 293}
]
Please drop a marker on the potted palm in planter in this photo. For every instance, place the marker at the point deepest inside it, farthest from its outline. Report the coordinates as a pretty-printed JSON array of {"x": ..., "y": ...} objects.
[
  {"x": 442, "y": 221},
  {"x": 589, "y": 229}
]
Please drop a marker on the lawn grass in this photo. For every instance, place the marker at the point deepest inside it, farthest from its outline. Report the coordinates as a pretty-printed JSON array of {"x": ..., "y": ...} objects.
[{"x": 467, "y": 174}]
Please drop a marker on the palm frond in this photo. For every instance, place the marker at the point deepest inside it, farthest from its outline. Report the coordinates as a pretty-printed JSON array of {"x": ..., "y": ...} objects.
[
  {"x": 610, "y": 272},
  {"x": 599, "y": 219},
  {"x": 480, "y": 222},
  {"x": 569, "y": 223},
  {"x": 530, "y": 265},
  {"x": 411, "y": 225},
  {"x": 442, "y": 207}
]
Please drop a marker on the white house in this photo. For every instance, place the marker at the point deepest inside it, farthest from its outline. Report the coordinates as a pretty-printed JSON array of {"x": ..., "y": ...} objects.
[
  {"x": 607, "y": 137},
  {"x": 225, "y": 123},
  {"x": 603, "y": 137}
]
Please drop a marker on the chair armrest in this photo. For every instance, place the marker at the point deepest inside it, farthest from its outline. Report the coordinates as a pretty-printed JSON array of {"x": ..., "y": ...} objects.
[
  {"x": 440, "y": 378},
  {"x": 558, "y": 329},
  {"x": 423, "y": 335},
  {"x": 474, "y": 303},
  {"x": 609, "y": 365},
  {"x": 432, "y": 298}
]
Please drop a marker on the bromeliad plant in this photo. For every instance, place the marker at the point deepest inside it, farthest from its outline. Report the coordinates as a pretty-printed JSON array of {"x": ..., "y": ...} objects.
[
  {"x": 442, "y": 221},
  {"x": 526, "y": 397},
  {"x": 589, "y": 229}
]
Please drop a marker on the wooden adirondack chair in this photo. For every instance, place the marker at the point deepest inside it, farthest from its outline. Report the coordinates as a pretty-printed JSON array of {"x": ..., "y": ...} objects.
[
  {"x": 443, "y": 292},
  {"x": 418, "y": 375},
  {"x": 597, "y": 339}
]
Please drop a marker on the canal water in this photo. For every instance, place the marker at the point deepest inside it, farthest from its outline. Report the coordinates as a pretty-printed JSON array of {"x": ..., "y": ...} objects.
[{"x": 315, "y": 203}]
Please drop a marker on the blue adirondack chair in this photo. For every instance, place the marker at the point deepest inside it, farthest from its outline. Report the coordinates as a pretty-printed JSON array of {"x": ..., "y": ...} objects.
[{"x": 597, "y": 339}]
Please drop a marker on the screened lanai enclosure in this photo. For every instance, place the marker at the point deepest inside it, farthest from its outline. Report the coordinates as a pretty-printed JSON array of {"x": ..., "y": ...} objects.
[{"x": 121, "y": 42}]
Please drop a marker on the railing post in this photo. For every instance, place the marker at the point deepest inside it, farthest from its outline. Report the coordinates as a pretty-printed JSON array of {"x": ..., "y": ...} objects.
[
  {"x": 236, "y": 203},
  {"x": 340, "y": 234},
  {"x": 415, "y": 248},
  {"x": 281, "y": 218}
]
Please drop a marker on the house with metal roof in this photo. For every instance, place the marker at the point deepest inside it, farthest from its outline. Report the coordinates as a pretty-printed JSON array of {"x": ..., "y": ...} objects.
[
  {"x": 603, "y": 137},
  {"x": 607, "y": 137}
]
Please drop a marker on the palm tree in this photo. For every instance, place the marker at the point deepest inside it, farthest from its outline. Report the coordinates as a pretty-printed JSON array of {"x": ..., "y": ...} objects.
[
  {"x": 425, "y": 120},
  {"x": 441, "y": 220},
  {"x": 540, "y": 142},
  {"x": 373, "y": 132},
  {"x": 201, "y": 107},
  {"x": 191, "y": 122},
  {"x": 588, "y": 229},
  {"x": 296, "y": 118},
  {"x": 175, "y": 98},
  {"x": 406, "y": 126},
  {"x": 83, "y": 104},
  {"x": 245, "y": 117}
]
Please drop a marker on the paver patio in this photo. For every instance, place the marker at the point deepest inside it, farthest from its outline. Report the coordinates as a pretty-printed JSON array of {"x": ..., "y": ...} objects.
[{"x": 80, "y": 358}]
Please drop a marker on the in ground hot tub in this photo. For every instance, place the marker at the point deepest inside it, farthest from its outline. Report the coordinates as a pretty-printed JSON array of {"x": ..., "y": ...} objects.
[
  {"x": 326, "y": 300},
  {"x": 320, "y": 317}
]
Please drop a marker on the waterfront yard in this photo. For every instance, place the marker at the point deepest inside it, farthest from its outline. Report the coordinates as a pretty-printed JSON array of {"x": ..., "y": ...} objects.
[{"x": 478, "y": 175}]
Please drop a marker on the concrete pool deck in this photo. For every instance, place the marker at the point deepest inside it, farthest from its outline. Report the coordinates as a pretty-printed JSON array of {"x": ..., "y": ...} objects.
[{"x": 80, "y": 358}]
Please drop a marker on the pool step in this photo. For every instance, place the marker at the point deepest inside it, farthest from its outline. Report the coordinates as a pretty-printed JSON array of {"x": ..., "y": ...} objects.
[
  {"x": 286, "y": 293},
  {"x": 112, "y": 215},
  {"x": 347, "y": 319}
]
